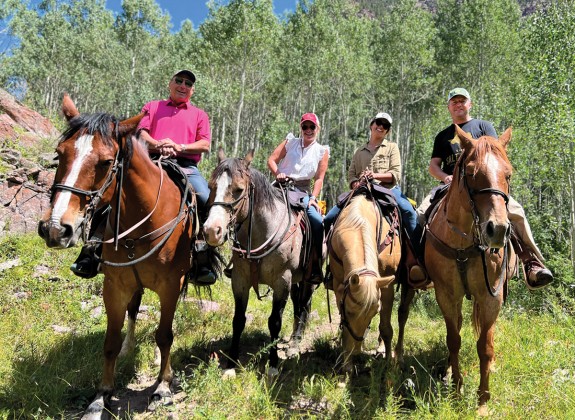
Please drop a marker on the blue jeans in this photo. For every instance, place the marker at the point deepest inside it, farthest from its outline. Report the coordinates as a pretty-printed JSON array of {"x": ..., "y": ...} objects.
[
  {"x": 315, "y": 220},
  {"x": 200, "y": 186},
  {"x": 330, "y": 218}
]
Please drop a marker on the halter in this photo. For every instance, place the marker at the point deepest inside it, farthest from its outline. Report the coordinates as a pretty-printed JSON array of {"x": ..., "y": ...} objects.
[{"x": 95, "y": 196}]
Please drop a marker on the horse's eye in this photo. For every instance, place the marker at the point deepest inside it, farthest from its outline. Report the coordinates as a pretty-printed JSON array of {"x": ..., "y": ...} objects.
[
  {"x": 105, "y": 163},
  {"x": 238, "y": 191}
]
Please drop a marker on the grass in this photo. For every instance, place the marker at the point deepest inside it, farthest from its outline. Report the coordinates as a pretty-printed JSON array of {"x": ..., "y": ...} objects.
[{"x": 52, "y": 329}]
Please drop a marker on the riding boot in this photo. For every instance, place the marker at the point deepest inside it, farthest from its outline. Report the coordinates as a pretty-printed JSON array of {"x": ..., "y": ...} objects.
[
  {"x": 202, "y": 272},
  {"x": 87, "y": 265},
  {"x": 316, "y": 276},
  {"x": 535, "y": 273},
  {"x": 418, "y": 278}
]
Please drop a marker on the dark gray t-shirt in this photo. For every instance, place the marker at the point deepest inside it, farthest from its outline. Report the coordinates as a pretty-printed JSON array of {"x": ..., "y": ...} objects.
[{"x": 446, "y": 145}]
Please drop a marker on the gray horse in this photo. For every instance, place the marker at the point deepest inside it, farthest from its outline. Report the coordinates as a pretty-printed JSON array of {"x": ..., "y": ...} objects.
[{"x": 267, "y": 247}]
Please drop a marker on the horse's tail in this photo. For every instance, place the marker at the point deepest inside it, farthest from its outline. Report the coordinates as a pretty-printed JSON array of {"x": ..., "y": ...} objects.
[{"x": 475, "y": 316}]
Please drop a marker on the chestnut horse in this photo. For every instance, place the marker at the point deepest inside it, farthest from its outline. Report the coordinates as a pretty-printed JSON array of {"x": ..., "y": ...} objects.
[
  {"x": 468, "y": 252},
  {"x": 100, "y": 165},
  {"x": 365, "y": 254},
  {"x": 267, "y": 244}
]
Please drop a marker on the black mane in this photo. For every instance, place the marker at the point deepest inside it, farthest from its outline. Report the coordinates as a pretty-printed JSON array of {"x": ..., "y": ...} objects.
[{"x": 99, "y": 123}]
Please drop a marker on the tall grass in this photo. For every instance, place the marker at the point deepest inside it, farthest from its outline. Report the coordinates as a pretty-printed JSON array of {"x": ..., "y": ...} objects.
[{"x": 52, "y": 329}]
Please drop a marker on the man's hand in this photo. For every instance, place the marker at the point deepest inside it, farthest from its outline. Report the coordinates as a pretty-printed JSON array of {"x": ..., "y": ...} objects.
[
  {"x": 448, "y": 179},
  {"x": 167, "y": 147}
]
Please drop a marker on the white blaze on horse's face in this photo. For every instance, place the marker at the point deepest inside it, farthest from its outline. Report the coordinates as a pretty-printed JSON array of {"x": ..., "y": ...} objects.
[
  {"x": 83, "y": 146},
  {"x": 216, "y": 226}
]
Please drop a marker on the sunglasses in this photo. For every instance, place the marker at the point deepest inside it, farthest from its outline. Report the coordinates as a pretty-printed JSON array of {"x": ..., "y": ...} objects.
[
  {"x": 179, "y": 80},
  {"x": 383, "y": 123},
  {"x": 305, "y": 127}
]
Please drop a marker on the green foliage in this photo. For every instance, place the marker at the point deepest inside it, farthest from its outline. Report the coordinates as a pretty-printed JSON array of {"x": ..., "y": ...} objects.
[{"x": 344, "y": 60}]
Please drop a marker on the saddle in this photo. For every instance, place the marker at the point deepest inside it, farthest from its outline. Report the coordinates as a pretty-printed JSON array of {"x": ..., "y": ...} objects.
[
  {"x": 180, "y": 178},
  {"x": 381, "y": 195}
]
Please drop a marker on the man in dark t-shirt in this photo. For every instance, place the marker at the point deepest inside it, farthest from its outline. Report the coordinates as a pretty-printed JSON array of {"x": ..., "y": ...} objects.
[{"x": 446, "y": 151}]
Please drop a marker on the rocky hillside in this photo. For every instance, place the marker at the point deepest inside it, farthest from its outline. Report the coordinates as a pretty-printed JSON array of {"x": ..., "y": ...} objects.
[{"x": 26, "y": 174}]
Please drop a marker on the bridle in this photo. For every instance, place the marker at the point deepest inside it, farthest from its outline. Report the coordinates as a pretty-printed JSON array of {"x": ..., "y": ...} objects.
[
  {"x": 344, "y": 323},
  {"x": 234, "y": 225}
]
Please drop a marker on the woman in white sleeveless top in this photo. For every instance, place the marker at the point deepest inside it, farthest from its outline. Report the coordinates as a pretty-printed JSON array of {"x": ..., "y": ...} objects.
[{"x": 303, "y": 159}]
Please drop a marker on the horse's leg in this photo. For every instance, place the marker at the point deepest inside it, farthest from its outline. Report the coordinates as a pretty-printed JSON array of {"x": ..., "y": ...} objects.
[
  {"x": 407, "y": 294},
  {"x": 115, "y": 301},
  {"x": 275, "y": 326},
  {"x": 164, "y": 339},
  {"x": 301, "y": 295},
  {"x": 451, "y": 309},
  {"x": 484, "y": 317},
  {"x": 385, "y": 328},
  {"x": 130, "y": 339},
  {"x": 241, "y": 296}
]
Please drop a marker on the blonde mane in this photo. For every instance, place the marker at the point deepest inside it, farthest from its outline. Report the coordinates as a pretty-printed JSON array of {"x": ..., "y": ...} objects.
[{"x": 355, "y": 223}]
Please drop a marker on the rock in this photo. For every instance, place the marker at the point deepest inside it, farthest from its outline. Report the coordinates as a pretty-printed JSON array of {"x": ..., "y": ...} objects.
[{"x": 23, "y": 116}]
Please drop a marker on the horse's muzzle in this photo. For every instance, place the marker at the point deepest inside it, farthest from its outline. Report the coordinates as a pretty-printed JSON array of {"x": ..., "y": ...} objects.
[
  {"x": 497, "y": 234},
  {"x": 56, "y": 235}
]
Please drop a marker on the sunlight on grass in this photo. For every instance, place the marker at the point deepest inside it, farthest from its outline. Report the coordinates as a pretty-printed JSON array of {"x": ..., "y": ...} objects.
[{"x": 52, "y": 325}]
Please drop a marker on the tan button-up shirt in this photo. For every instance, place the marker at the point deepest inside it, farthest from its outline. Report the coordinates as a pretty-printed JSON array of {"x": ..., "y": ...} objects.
[{"x": 385, "y": 158}]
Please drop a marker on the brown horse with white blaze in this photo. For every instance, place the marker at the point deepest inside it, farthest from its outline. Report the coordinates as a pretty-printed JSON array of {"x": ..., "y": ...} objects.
[
  {"x": 149, "y": 230},
  {"x": 468, "y": 251}
]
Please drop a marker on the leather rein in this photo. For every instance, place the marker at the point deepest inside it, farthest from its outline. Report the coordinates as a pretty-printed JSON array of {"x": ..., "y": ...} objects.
[{"x": 462, "y": 255}]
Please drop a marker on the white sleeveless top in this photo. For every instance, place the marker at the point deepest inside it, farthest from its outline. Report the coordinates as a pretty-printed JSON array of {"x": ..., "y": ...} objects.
[{"x": 301, "y": 163}]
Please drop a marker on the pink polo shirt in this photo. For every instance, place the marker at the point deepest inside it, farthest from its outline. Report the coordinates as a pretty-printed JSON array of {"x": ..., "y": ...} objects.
[{"x": 183, "y": 123}]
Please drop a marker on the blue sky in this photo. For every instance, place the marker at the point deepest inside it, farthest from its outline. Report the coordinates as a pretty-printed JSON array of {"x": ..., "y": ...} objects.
[{"x": 195, "y": 10}]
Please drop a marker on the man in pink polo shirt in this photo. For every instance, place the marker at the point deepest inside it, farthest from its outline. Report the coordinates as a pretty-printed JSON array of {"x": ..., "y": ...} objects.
[{"x": 177, "y": 129}]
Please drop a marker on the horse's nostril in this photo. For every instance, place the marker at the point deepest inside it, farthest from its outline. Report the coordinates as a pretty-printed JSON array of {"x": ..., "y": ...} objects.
[
  {"x": 68, "y": 231},
  {"x": 490, "y": 229},
  {"x": 42, "y": 230}
]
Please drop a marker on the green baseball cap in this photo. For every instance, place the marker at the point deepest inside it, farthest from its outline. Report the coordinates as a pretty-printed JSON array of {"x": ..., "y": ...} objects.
[{"x": 458, "y": 92}]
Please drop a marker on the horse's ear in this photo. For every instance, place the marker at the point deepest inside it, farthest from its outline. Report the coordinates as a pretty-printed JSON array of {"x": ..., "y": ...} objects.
[
  {"x": 505, "y": 138},
  {"x": 465, "y": 139},
  {"x": 221, "y": 154},
  {"x": 68, "y": 108},
  {"x": 249, "y": 157},
  {"x": 130, "y": 125}
]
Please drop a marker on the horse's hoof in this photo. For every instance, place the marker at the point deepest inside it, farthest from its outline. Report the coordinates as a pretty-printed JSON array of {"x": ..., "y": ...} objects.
[
  {"x": 482, "y": 410},
  {"x": 99, "y": 409},
  {"x": 292, "y": 351},
  {"x": 229, "y": 374},
  {"x": 157, "y": 400}
]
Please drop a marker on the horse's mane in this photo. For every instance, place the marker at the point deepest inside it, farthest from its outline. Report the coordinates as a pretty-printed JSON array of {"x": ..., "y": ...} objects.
[
  {"x": 265, "y": 194},
  {"x": 483, "y": 146},
  {"x": 353, "y": 220},
  {"x": 99, "y": 123}
]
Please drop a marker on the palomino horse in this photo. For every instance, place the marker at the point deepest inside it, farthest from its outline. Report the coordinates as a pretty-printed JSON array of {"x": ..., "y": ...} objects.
[
  {"x": 100, "y": 164},
  {"x": 365, "y": 254},
  {"x": 468, "y": 253},
  {"x": 267, "y": 244}
]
